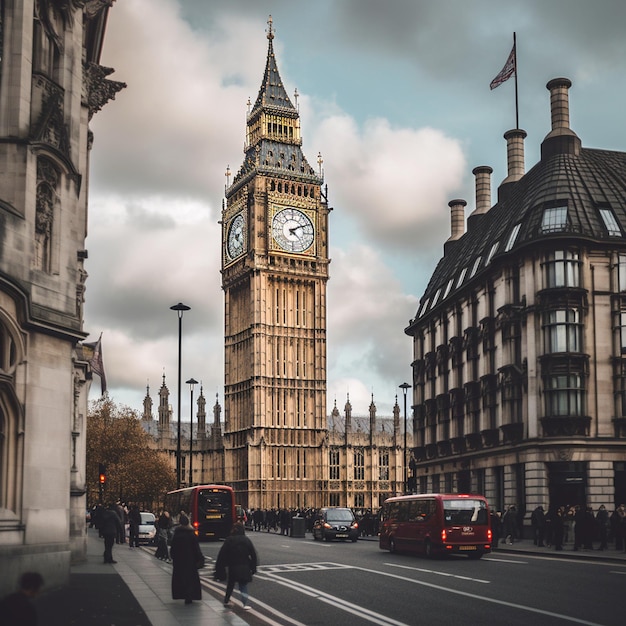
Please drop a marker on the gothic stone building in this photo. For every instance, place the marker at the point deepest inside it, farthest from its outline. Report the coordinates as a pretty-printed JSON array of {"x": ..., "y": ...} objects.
[
  {"x": 365, "y": 455},
  {"x": 519, "y": 372},
  {"x": 50, "y": 86}
]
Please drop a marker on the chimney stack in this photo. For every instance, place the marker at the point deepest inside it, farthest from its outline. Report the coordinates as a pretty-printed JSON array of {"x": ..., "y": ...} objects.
[
  {"x": 457, "y": 215},
  {"x": 514, "y": 160},
  {"x": 483, "y": 194},
  {"x": 561, "y": 139}
]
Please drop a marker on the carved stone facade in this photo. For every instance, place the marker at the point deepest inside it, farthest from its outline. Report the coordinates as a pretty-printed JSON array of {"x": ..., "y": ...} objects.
[
  {"x": 519, "y": 340},
  {"x": 364, "y": 457},
  {"x": 44, "y": 377}
]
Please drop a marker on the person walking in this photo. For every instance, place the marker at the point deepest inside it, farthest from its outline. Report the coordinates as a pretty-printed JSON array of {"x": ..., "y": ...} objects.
[
  {"x": 110, "y": 528},
  {"x": 236, "y": 562},
  {"x": 134, "y": 521},
  {"x": 164, "y": 524},
  {"x": 187, "y": 559},
  {"x": 17, "y": 609}
]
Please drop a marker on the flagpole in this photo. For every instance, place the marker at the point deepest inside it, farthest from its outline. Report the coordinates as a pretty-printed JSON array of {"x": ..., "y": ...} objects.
[{"x": 516, "y": 101}]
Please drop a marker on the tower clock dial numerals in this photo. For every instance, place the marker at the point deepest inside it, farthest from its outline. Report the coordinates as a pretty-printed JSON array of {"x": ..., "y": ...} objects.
[
  {"x": 236, "y": 237},
  {"x": 293, "y": 230}
]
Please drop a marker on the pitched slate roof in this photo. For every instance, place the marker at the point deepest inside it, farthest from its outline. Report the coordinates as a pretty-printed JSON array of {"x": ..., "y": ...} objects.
[{"x": 583, "y": 179}]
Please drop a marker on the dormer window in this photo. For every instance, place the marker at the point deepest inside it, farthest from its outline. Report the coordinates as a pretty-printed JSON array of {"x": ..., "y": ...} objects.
[
  {"x": 513, "y": 237},
  {"x": 461, "y": 277},
  {"x": 475, "y": 267},
  {"x": 493, "y": 250},
  {"x": 554, "y": 219},
  {"x": 610, "y": 223}
]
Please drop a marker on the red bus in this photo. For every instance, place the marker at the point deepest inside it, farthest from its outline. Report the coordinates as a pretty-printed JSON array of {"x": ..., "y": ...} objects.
[
  {"x": 436, "y": 523},
  {"x": 211, "y": 509}
]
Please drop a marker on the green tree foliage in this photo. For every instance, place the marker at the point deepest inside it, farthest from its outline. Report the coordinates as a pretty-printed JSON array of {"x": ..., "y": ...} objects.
[{"x": 135, "y": 472}]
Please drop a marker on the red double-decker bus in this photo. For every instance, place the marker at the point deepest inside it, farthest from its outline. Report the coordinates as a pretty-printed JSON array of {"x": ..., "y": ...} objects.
[{"x": 211, "y": 509}]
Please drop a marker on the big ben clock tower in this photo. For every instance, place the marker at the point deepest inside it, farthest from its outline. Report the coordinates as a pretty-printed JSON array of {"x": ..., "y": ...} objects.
[{"x": 274, "y": 273}]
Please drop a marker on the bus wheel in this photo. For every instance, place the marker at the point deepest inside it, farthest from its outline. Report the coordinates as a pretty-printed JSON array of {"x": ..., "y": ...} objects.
[
  {"x": 428, "y": 549},
  {"x": 392, "y": 545}
]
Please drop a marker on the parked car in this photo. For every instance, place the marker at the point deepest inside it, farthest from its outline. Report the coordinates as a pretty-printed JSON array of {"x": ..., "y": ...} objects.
[
  {"x": 335, "y": 523},
  {"x": 147, "y": 528}
]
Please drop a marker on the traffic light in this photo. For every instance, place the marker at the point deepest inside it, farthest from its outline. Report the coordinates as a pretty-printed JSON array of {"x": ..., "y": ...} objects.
[{"x": 102, "y": 473}]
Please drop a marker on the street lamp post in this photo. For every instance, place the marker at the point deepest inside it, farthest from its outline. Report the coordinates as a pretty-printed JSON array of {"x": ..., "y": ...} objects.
[
  {"x": 180, "y": 308},
  {"x": 191, "y": 382},
  {"x": 405, "y": 388}
]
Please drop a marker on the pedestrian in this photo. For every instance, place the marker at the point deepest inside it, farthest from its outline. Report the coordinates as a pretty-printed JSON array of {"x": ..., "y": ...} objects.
[
  {"x": 16, "y": 609},
  {"x": 558, "y": 522},
  {"x": 579, "y": 526},
  {"x": 495, "y": 528},
  {"x": 187, "y": 559},
  {"x": 110, "y": 528},
  {"x": 509, "y": 523},
  {"x": 618, "y": 520},
  {"x": 134, "y": 521},
  {"x": 538, "y": 523},
  {"x": 236, "y": 563},
  {"x": 121, "y": 513},
  {"x": 603, "y": 525},
  {"x": 164, "y": 525}
]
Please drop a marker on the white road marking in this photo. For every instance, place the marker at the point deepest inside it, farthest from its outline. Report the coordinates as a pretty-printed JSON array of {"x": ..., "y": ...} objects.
[
  {"x": 338, "y": 603},
  {"x": 262, "y": 617},
  {"x": 430, "y": 571},
  {"x": 474, "y": 596}
]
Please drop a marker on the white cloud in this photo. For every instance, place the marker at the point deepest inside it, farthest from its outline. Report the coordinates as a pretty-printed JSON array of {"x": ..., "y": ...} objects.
[{"x": 395, "y": 182}]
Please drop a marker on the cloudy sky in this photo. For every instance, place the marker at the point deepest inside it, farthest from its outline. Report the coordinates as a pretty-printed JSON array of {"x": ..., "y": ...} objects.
[{"x": 395, "y": 96}]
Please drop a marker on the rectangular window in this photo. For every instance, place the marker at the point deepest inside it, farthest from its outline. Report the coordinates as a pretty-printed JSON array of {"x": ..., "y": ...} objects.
[
  {"x": 563, "y": 269},
  {"x": 383, "y": 465},
  {"x": 563, "y": 331},
  {"x": 359, "y": 465},
  {"x": 333, "y": 462},
  {"x": 554, "y": 219},
  {"x": 564, "y": 395},
  {"x": 610, "y": 223},
  {"x": 621, "y": 272}
]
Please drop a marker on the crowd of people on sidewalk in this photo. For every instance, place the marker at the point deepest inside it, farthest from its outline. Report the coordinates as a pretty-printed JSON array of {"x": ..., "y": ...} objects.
[{"x": 577, "y": 525}]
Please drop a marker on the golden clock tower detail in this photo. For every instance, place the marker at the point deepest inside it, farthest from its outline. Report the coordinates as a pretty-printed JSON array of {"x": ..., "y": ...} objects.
[{"x": 274, "y": 273}]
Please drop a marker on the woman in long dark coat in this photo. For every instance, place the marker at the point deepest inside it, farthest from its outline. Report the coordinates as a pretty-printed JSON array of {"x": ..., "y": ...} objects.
[
  {"x": 187, "y": 558},
  {"x": 238, "y": 556}
]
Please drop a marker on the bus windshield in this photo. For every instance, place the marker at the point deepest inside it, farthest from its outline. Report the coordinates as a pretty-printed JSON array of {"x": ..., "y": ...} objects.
[
  {"x": 213, "y": 501},
  {"x": 462, "y": 511}
]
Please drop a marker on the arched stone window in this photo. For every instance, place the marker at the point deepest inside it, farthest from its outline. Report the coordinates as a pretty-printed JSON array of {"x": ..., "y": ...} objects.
[{"x": 11, "y": 419}]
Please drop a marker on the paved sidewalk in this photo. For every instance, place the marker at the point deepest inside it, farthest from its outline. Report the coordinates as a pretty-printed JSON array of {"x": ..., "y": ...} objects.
[
  {"x": 568, "y": 552},
  {"x": 135, "y": 591}
]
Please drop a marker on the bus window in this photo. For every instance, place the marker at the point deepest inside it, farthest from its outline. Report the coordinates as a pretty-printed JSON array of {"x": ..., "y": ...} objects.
[{"x": 465, "y": 511}]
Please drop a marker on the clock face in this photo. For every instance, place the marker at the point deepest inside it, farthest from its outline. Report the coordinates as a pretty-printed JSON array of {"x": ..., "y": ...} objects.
[
  {"x": 293, "y": 230},
  {"x": 236, "y": 237}
]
